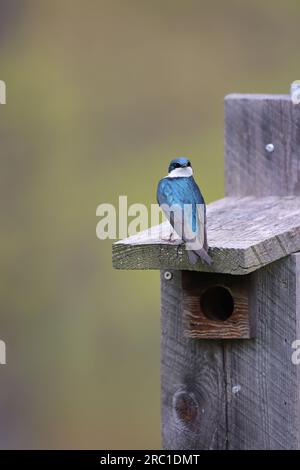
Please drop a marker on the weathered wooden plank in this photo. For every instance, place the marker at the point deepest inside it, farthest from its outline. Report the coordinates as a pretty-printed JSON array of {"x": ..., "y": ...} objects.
[
  {"x": 251, "y": 123},
  {"x": 234, "y": 394},
  {"x": 263, "y": 401},
  {"x": 193, "y": 395},
  {"x": 244, "y": 234},
  {"x": 262, "y": 383}
]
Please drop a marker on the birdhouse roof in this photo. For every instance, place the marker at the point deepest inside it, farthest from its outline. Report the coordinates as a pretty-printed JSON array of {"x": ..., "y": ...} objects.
[{"x": 244, "y": 234}]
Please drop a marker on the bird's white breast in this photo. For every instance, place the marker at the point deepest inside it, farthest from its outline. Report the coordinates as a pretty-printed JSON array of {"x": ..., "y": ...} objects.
[{"x": 180, "y": 172}]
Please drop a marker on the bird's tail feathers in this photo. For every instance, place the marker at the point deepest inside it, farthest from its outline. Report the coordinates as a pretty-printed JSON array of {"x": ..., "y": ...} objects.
[{"x": 194, "y": 256}]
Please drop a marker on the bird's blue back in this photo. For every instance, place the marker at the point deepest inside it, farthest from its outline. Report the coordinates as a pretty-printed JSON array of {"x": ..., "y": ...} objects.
[{"x": 180, "y": 191}]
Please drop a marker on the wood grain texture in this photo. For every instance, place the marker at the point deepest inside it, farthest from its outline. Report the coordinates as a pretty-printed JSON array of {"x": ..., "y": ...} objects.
[
  {"x": 234, "y": 394},
  {"x": 209, "y": 321},
  {"x": 259, "y": 402},
  {"x": 262, "y": 382},
  {"x": 244, "y": 234},
  {"x": 252, "y": 122},
  {"x": 193, "y": 392}
]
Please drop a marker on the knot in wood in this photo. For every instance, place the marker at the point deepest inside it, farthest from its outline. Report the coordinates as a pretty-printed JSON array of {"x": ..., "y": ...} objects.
[{"x": 185, "y": 407}]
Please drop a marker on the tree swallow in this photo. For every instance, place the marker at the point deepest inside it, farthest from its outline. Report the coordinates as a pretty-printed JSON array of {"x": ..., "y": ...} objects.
[{"x": 182, "y": 203}]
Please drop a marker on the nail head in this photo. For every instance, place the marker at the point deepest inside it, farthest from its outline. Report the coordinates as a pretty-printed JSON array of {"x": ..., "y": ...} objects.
[
  {"x": 236, "y": 389},
  {"x": 168, "y": 275},
  {"x": 270, "y": 148}
]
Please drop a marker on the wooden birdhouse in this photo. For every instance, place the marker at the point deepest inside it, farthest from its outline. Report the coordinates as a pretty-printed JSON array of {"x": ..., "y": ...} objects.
[{"x": 227, "y": 376}]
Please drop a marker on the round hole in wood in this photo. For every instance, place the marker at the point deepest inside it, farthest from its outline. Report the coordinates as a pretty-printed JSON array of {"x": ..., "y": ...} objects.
[{"x": 217, "y": 303}]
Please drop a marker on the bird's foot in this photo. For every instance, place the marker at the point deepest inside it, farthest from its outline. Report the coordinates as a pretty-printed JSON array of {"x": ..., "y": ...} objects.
[
  {"x": 172, "y": 236},
  {"x": 169, "y": 237}
]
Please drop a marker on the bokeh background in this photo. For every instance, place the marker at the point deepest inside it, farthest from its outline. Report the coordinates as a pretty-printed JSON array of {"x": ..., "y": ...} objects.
[{"x": 100, "y": 95}]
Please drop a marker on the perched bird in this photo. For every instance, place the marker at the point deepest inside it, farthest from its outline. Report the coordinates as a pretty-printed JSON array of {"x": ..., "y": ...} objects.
[{"x": 182, "y": 203}]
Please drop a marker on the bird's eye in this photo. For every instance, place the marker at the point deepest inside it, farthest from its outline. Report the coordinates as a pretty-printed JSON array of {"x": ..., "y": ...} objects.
[
  {"x": 177, "y": 165},
  {"x": 188, "y": 164}
]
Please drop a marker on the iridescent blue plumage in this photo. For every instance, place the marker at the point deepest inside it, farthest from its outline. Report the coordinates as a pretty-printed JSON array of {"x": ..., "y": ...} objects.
[{"x": 180, "y": 189}]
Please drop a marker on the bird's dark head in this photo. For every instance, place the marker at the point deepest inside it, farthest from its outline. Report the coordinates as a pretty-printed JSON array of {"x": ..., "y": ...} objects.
[
  {"x": 181, "y": 162},
  {"x": 180, "y": 167}
]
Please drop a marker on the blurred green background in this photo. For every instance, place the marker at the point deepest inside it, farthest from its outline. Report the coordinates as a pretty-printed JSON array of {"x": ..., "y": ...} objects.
[{"x": 100, "y": 95}]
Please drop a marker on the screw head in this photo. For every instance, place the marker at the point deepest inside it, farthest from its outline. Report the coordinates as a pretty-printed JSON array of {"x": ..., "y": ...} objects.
[
  {"x": 236, "y": 389},
  {"x": 168, "y": 275},
  {"x": 270, "y": 148}
]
